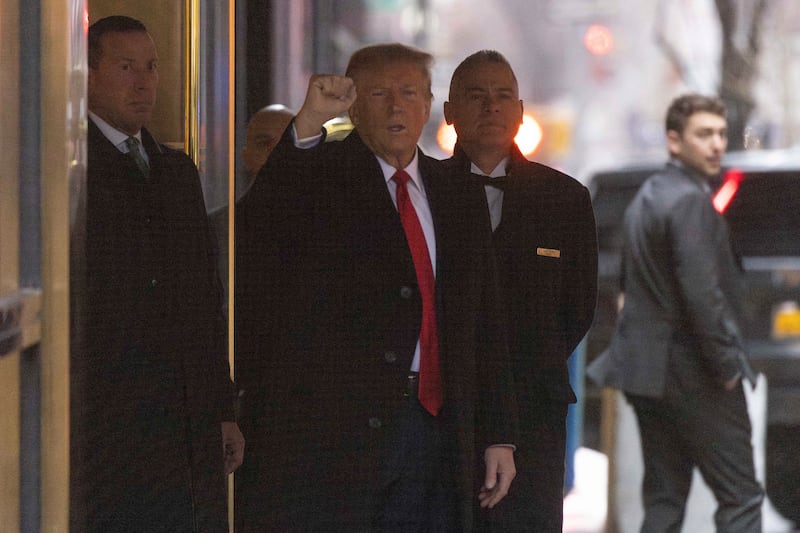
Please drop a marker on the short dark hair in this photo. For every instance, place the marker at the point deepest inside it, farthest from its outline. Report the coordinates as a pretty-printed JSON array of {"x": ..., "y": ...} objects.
[
  {"x": 371, "y": 57},
  {"x": 687, "y": 105},
  {"x": 112, "y": 24},
  {"x": 478, "y": 58}
]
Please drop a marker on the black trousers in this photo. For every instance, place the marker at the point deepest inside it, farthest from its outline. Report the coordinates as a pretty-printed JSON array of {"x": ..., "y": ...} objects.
[
  {"x": 697, "y": 423},
  {"x": 418, "y": 490}
]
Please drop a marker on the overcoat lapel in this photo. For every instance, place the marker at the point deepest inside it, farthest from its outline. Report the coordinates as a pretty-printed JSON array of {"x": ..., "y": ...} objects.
[
  {"x": 514, "y": 199},
  {"x": 370, "y": 196},
  {"x": 437, "y": 201}
]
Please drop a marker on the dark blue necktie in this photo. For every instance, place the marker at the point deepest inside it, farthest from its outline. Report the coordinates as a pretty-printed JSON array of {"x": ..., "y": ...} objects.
[{"x": 133, "y": 150}]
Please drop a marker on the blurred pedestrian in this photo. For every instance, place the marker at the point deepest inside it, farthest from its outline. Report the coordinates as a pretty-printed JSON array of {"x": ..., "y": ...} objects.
[
  {"x": 677, "y": 352},
  {"x": 545, "y": 244}
]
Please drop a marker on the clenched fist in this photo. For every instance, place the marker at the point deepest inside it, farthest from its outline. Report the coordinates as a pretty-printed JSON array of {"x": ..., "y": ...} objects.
[{"x": 328, "y": 97}]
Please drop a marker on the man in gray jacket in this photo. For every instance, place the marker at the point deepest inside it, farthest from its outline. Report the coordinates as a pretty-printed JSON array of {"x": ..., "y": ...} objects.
[{"x": 677, "y": 352}]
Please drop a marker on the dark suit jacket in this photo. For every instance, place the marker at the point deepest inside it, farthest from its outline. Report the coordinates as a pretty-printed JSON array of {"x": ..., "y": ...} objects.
[
  {"x": 150, "y": 381},
  {"x": 328, "y": 315},
  {"x": 546, "y": 249},
  {"x": 680, "y": 279}
]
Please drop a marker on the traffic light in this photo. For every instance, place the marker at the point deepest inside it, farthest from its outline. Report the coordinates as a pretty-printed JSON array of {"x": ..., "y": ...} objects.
[{"x": 598, "y": 39}]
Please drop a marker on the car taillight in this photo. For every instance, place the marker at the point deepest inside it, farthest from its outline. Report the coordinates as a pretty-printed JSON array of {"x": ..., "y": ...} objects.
[{"x": 727, "y": 191}]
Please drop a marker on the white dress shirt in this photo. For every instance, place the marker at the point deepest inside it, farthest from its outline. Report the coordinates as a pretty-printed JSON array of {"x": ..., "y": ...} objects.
[
  {"x": 494, "y": 196},
  {"x": 418, "y": 197}
]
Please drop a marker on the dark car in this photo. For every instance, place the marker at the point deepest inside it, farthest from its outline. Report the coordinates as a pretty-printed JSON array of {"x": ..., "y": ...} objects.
[{"x": 759, "y": 195}]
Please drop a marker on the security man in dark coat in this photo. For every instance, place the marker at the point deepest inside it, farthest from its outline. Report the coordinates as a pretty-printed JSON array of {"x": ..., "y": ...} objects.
[{"x": 152, "y": 433}]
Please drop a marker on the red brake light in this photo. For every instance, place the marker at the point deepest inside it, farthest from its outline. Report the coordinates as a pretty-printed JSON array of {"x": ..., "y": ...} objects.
[{"x": 730, "y": 185}]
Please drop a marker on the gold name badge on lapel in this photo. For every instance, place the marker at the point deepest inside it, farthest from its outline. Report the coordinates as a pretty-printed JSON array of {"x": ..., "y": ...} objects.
[{"x": 548, "y": 252}]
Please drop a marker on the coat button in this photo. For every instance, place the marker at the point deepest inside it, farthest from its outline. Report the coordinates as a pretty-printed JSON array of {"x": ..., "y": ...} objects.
[
  {"x": 153, "y": 282},
  {"x": 405, "y": 292},
  {"x": 375, "y": 422},
  {"x": 390, "y": 357}
]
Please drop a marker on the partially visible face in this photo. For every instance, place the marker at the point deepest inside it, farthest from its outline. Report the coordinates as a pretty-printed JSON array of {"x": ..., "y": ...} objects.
[
  {"x": 391, "y": 109},
  {"x": 484, "y": 106},
  {"x": 702, "y": 143},
  {"x": 122, "y": 89},
  {"x": 263, "y": 132}
]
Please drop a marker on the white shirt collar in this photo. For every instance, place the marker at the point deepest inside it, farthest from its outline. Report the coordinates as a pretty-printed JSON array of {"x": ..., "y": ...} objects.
[
  {"x": 412, "y": 169},
  {"x": 111, "y": 133},
  {"x": 499, "y": 170}
]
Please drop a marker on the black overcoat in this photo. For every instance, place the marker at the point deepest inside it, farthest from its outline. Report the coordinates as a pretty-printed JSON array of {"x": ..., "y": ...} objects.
[
  {"x": 150, "y": 381},
  {"x": 328, "y": 314},
  {"x": 546, "y": 249}
]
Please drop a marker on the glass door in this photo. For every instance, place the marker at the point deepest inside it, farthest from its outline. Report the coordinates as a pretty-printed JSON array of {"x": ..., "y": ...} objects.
[{"x": 42, "y": 58}]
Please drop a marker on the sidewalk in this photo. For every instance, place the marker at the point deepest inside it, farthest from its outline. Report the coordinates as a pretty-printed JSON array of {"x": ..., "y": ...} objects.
[{"x": 585, "y": 505}]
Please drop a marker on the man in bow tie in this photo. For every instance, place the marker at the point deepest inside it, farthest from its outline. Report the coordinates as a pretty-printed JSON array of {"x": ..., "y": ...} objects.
[{"x": 546, "y": 249}]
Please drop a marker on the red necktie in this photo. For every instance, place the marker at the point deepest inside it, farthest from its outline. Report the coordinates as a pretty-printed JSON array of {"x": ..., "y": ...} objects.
[{"x": 430, "y": 379}]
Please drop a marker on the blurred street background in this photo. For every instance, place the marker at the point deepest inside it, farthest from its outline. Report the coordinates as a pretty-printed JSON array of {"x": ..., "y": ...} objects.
[{"x": 596, "y": 75}]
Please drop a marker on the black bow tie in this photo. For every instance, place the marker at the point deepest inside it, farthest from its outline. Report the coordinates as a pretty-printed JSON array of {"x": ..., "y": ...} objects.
[{"x": 499, "y": 182}]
